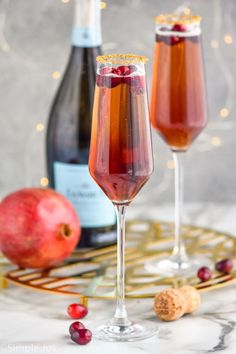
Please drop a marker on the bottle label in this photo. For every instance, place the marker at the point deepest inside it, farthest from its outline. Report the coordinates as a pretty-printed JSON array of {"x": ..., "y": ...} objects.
[
  {"x": 86, "y": 37},
  {"x": 92, "y": 205},
  {"x": 87, "y": 28}
]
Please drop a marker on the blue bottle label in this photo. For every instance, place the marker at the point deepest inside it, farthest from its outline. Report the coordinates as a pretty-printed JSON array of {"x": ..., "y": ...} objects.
[
  {"x": 86, "y": 37},
  {"x": 92, "y": 205}
]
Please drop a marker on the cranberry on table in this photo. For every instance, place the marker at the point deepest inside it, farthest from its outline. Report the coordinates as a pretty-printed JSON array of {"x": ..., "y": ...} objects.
[
  {"x": 77, "y": 311},
  {"x": 204, "y": 274},
  {"x": 75, "y": 326},
  {"x": 224, "y": 266},
  {"x": 81, "y": 336}
]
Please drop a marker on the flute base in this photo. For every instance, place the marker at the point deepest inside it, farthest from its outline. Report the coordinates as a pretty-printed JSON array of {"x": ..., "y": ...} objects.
[
  {"x": 177, "y": 265},
  {"x": 136, "y": 331}
]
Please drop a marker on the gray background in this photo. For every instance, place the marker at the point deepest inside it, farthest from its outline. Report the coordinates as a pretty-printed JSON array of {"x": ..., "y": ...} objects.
[{"x": 35, "y": 42}]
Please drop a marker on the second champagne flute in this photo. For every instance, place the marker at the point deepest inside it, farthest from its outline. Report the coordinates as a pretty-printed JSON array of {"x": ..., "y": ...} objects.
[
  {"x": 121, "y": 162},
  {"x": 178, "y": 111}
]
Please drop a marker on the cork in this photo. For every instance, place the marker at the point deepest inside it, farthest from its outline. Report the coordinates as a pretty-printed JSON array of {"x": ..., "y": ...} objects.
[{"x": 171, "y": 304}]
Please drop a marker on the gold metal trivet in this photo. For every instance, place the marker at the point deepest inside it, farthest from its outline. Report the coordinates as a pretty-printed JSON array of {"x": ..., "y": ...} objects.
[{"x": 92, "y": 273}]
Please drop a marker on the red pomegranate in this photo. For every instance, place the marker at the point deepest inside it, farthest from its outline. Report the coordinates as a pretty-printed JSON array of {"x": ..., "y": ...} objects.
[{"x": 39, "y": 227}]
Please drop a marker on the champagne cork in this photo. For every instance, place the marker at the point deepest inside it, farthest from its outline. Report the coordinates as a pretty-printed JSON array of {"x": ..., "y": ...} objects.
[{"x": 172, "y": 304}]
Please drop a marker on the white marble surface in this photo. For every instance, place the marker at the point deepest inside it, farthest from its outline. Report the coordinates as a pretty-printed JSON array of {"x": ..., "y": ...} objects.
[{"x": 32, "y": 322}]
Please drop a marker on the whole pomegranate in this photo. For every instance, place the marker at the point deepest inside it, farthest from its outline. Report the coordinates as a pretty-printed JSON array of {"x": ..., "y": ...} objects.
[{"x": 39, "y": 227}]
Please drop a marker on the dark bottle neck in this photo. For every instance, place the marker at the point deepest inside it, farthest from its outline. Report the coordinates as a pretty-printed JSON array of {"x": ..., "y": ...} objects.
[{"x": 85, "y": 54}]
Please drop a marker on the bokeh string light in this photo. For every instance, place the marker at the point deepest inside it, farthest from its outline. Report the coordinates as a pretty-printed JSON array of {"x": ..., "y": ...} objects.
[
  {"x": 228, "y": 39},
  {"x": 225, "y": 70},
  {"x": 207, "y": 140},
  {"x": 56, "y": 75},
  {"x": 44, "y": 181},
  {"x": 39, "y": 127}
]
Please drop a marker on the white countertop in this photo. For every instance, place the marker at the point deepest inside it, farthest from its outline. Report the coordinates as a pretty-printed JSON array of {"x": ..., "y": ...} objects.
[{"x": 34, "y": 322}]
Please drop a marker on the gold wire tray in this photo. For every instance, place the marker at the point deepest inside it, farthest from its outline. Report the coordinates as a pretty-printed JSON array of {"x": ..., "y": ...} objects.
[{"x": 92, "y": 273}]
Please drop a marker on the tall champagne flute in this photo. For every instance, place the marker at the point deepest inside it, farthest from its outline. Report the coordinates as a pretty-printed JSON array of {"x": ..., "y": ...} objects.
[
  {"x": 121, "y": 162},
  {"x": 178, "y": 111}
]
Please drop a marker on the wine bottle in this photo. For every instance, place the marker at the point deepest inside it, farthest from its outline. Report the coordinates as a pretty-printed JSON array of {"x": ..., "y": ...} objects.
[{"x": 69, "y": 128}]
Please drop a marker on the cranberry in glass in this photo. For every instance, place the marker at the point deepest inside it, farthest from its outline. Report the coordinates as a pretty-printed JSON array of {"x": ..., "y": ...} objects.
[{"x": 179, "y": 27}]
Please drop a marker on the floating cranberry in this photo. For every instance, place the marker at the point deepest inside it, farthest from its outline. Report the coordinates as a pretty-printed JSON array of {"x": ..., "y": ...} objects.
[
  {"x": 112, "y": 77},
  {"x": 224, "y": 266},
  {"x": 137, "y": 80},
  {"x": 204, "y": 274},
  {"x": 107, "y": 81},
  {"x": 116, "y": 71},
  {"x": 115, "y": 81},
  {"x": 75, "y": 326},
  {"x": 105, "y": 70},
  {"x": 174, "y": 40},
  {"x": 164, "y": 29},
  {"x": 124, "y": 70},
  {"x": 132, "y": 68},
  {"x": 82, "y": 336},
  {"x": 77, "y": 311},
  {"x": 179, "y": 27}
]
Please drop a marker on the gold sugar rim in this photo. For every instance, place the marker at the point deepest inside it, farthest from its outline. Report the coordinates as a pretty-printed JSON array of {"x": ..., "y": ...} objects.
[
  {"x": 122, "y": 59},
  {"x": 171, "y": 19}
]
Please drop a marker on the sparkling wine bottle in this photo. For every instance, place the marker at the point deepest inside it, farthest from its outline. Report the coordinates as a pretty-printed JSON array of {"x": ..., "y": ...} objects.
[{"x": 69, "y": 129}]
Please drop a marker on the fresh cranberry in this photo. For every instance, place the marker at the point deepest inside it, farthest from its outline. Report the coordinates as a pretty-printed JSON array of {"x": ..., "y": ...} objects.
[
  {"x": 116, "y": 71},
  {"x": 77, "y": 311},
  {"x": 132, "y": 68},
  {"x": 164, "y": 29},
  {"x": 137, "y": 81},
  {"x": 107, "y": 81},
  {"x": 127, "y": 80},
  {"x": 224, "y": 266},
  {"x": 75, "y": 326},
  {"x": 82, "y": 336},
  {"x": 105, "y": 70},
  {"x": 179, "y": 27},
  {"x": 175, "y": 40},
  {"x": 204, "y": 273},
  {"x": 125, "y": 70},
  {"x": 115, "y": 81}
]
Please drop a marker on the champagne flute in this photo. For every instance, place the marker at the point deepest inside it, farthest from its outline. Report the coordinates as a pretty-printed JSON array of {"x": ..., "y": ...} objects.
[
  {"x": 121, "y": 162},
  {"x": 178, "y": 112}
]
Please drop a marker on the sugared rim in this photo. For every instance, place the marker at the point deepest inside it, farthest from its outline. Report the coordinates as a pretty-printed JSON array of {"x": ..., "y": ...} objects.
[
  {"x": 124, "y": 59},
  {"x": 171, "y": 19}
]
